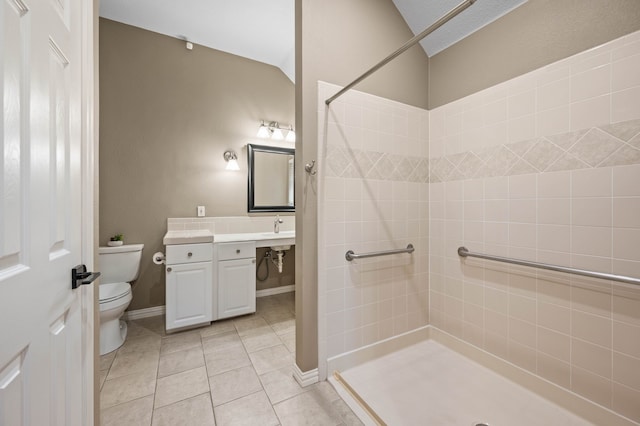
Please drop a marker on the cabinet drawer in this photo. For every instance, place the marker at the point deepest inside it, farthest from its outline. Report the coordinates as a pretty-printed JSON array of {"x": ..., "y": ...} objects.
[
  {"x": 189, "y": 253},
  {"x": 229, "y": 251}
]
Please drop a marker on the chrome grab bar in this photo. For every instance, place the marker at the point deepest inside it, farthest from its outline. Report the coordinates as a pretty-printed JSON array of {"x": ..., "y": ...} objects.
[
  {"x": 464, "y": 252},
  {"x": 350, "y": 255}
]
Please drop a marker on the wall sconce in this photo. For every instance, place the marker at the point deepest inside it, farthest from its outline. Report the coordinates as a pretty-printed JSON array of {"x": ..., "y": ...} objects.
[
  {"x": 275, "y": 132},
  {"x": 232, "y": 160}
]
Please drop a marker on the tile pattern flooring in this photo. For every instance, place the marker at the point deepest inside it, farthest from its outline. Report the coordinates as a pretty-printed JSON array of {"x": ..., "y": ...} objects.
[{"x": 234, "y": 372}]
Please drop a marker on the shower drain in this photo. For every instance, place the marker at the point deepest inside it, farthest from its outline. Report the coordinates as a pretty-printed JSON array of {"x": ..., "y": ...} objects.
[{"x": 480, "y": 424}]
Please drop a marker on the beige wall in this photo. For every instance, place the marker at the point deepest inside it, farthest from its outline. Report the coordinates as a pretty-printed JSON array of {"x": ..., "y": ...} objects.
[
  {"x": 536, "y": 34},
  {"x": 167, "y": 114},
  {"x": 336, "y": 41}
]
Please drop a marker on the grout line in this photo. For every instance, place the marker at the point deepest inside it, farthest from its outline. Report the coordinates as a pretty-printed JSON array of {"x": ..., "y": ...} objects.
[
  {"x": 611, "y": 198},
  {"x": 155, "y": 391},
  {"x": 213, "y": 409}
]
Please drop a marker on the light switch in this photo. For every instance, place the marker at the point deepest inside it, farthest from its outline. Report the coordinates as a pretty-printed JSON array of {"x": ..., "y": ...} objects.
[{"x": 200, "y": 211}]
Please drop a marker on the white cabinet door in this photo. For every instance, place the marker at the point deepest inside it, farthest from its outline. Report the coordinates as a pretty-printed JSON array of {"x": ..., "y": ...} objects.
[
  {"x": 189, "y": 295},
  {"x": 236, "y": 287}
]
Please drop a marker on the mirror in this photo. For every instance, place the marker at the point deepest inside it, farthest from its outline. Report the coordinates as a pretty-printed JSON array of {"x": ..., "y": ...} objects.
[{"x": 271, "y": 179}]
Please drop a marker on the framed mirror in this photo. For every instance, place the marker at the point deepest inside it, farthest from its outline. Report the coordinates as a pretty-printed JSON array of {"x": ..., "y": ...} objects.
[{"x": 271, "y": 179}]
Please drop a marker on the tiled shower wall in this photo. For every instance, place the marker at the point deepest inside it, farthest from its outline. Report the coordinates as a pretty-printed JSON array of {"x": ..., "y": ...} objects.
[
  {"x": 545, "y": 167},
  {"x": 373, "y": 195}
]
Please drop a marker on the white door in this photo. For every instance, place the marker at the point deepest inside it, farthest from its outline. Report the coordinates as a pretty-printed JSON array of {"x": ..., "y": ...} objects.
[{"x": 43, "y": 367}]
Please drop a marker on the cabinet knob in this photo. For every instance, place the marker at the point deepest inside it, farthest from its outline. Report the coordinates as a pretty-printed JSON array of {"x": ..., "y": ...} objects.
[
  {"x": 168, "y": 269},
  {"x": 253, "y": 261},
  {"x": 238, "y": 251},
  {"x": 189, "y": 254}
]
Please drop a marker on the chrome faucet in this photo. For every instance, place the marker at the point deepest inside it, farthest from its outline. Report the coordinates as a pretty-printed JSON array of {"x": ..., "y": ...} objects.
[{"x": 276, "y": 224}]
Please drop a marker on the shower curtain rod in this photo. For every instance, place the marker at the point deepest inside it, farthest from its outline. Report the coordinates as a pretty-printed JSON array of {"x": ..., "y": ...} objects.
[{"x": 440, "y": 22}]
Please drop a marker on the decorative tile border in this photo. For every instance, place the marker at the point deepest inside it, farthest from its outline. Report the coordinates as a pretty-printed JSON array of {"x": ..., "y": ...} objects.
[
  {"x": 606, "y": 146},
  {"x": 611, "y": 145},
  {"x": 354, "y": 163}
]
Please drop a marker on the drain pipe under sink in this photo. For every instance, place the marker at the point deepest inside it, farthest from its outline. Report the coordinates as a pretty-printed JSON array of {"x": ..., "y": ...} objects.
[
  {"x": 280, "y": 254},
  {"x": 279, "y": 262}
]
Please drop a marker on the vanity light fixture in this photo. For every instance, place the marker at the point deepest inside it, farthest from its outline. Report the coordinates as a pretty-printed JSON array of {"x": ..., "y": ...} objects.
[
  {"x": 275, "y": 132},
  {"x": 232, "y": 160}
]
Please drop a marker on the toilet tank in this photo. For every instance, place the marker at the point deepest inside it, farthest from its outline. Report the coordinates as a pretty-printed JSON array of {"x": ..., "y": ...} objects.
[{"x": 120, "y": 264}]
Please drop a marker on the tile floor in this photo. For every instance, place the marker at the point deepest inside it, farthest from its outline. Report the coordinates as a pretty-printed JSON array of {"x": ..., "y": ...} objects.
[{"x": 234, "y": 372}]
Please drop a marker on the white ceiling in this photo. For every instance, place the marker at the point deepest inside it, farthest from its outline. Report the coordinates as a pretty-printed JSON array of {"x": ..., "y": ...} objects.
[
  {"x": 256, "y": 29},
  {"x": 264, "y": 30},
  {"x": 419, "y": 14}
]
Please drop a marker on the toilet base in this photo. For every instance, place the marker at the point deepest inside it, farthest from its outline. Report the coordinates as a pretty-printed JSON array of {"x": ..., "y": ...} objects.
[{"x": 112, "y": 335}]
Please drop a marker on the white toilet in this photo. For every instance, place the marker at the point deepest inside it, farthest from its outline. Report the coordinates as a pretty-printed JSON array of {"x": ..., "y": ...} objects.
[{"x": 119, "y": 266}]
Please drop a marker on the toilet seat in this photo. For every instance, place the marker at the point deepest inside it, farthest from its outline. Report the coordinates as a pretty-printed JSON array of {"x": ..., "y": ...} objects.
[{"x": 113, "y": 291}]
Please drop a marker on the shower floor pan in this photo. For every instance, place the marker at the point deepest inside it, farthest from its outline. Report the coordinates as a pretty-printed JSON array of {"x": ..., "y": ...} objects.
[{"x": 430, "y": 384}]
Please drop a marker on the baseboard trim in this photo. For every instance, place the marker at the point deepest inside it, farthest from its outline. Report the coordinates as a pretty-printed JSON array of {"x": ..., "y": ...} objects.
[
  {"x": 276, "y": 290},
  {"x": 305, "y": 378},
  {"x": 144, "y": 313},
  {"x": 160, "y": 310},
  {"x": 359, "y": 356}
]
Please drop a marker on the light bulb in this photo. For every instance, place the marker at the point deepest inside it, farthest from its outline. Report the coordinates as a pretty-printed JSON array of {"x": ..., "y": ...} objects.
[
  {"x": 277, "y": 134},
  {"x": 291, "y": 136},
  {"x": 232, "y": 164},
  {"x": 263, "y": 132}
]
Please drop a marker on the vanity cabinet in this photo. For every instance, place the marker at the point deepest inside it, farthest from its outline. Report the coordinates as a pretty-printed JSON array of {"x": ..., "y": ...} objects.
[
  {"x": 189, "y": 276},
  {"x": 235, "y": 279}
]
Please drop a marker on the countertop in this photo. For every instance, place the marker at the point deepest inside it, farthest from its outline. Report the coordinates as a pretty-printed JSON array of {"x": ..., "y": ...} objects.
[
  {"x": 192, "y": 236},
  {"x": 262, "y": 239}
]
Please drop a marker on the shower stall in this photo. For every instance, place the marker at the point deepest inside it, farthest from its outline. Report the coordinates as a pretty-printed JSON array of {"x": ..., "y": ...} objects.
[{"x": 542, "y": 168}]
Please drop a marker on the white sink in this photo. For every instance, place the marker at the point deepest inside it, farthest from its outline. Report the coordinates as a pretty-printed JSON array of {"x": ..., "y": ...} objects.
[
  {"x": 277, "y": 236},
  {"x": 282, "y": 240}
]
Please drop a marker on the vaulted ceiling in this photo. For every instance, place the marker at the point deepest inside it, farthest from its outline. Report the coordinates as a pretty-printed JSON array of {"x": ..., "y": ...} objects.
[{"x": 263, "y": 30}]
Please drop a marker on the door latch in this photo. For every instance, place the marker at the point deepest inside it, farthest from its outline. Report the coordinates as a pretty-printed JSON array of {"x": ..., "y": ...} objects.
[{"x": 80, "y": 276}]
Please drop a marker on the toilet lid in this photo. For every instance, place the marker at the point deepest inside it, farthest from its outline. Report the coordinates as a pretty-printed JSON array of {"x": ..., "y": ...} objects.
[{"x": 113, "y": 291}]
